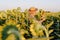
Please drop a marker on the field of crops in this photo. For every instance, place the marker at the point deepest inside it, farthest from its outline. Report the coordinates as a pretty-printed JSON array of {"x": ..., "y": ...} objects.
[{"x": 16, "y": 25}]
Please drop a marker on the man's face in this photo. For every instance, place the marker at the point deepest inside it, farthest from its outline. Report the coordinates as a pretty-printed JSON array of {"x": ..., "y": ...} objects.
[{"x": 32, "y": 12}]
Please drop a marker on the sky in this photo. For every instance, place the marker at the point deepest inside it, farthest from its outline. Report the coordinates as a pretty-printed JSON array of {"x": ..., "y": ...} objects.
[{"x": 50, "y": 5}]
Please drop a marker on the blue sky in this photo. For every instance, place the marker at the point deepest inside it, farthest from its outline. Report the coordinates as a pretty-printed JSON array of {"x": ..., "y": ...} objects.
[{"x": 51, "y": 5}]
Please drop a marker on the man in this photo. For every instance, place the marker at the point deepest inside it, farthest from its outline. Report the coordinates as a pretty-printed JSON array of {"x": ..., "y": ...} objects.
[
  {"x": 33, "y": 12},
  {"x": 37, "y": 25}
]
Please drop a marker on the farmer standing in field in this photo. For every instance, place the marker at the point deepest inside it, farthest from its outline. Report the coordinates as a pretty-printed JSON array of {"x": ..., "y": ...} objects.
[
  {"x": 37, "y": 25},
  {"x": 33, "y": 12}
]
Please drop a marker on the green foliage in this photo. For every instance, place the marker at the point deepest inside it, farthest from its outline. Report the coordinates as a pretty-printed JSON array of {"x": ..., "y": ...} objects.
[
  {"x": 49, "y": 29},
  {"x": 6, "y": 29},
  {"x": 55, "y": 26},
  {"x": 2, "y": 21}
]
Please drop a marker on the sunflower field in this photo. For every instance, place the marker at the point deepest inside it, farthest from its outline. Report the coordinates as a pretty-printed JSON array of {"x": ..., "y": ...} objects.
[{"x": 16, "y": 25}]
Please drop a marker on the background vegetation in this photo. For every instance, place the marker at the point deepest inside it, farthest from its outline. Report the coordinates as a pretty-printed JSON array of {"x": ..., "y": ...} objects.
[{"x": 15, "y": 25}]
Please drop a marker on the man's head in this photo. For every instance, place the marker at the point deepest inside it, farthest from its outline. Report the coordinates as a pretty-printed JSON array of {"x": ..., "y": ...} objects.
[{"x": 32, "y": 10}]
